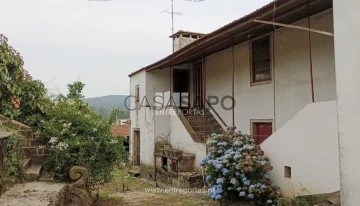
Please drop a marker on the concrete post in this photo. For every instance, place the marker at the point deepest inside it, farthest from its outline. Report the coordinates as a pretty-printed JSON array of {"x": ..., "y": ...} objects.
[{"x": 347, "y": 58}]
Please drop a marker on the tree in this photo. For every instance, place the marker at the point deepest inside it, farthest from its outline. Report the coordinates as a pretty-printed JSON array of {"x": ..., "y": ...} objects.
[
  {"x": 21, "y": 97},
  {"x": 118, "y": 114}
]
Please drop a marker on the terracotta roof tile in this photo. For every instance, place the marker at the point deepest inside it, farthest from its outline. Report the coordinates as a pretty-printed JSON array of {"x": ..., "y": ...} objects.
[{"x": 121, "y": 130}]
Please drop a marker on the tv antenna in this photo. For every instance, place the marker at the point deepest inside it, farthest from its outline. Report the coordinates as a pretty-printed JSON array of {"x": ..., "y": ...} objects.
[{"x": 172, "y": 12}]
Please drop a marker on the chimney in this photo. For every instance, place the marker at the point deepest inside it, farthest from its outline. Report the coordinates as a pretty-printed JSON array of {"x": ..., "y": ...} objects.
[{"x": 183, "y": 38}]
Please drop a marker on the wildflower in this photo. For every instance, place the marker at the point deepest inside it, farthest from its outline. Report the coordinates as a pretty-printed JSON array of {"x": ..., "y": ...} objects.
[
  {"x": 263, "y": 187},
  {"x": 269, "y": 201},
  {"x": 62, "y": 146},
  {"x": 250, "y": 196},
  {"x": 53, "y": 140},
  {"x": 247, "y": 182},
  {"x": 252, "y": 187},
  {"x": 95, "y": 130},
  {"x": 113, "y": 141},
  {"x": 242, "y": 194}
]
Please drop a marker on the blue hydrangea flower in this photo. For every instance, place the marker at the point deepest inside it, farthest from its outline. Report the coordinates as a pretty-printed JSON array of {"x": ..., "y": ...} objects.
[
  {"x": 218, "y": 197},
  {"x": 218, "y": 166},
  {"x": 220, "y": 180},
  {"x": 242, "y": 194},
  {"x": 252, "y": 187},
  {"x": 208, "y": 178},
  {"x": 224, "y": 171},
  {"x": 247, "y": 182}
]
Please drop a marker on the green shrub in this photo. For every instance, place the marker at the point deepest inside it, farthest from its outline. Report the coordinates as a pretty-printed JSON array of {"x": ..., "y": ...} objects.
[
  {"x": 13, "y": 153},
  {"x": 237, "y": 170},
  {"x": 78, "y": 136}
]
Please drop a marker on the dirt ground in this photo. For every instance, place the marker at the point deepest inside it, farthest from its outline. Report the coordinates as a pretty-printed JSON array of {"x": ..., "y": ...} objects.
[{"x": 125, "y": 190}]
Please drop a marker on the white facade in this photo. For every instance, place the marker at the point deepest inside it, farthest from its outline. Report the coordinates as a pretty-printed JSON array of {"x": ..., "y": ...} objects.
[
  {"x": 299, "y": 125},
  {"x": 347, "y": 31}
]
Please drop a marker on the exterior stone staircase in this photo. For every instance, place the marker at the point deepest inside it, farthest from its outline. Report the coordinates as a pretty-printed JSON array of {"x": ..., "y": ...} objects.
[
  {"x": 35, "y": 155},
  {"x": 204, "y": 125},
  {"x": 34, "y": 152}
]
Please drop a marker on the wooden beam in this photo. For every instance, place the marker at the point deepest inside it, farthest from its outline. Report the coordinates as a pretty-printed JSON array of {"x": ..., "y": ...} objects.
[{"x": 294, "y": 27}]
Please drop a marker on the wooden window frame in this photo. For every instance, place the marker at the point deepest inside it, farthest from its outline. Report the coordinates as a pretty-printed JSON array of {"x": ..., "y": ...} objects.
[
  {"x": 254, "y": 82},
  {"x": 253, "y": 123},
  {"x": 137, "y": 93}
]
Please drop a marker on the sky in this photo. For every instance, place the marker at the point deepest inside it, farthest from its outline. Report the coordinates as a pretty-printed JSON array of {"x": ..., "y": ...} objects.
[{"x": 101, "y": 43}]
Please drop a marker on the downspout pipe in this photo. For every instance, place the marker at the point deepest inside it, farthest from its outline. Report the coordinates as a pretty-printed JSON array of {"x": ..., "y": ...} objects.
[{"x": 233, "y": 81}]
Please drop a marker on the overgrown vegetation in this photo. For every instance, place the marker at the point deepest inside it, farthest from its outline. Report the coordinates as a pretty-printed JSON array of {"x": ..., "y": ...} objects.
[
  {"x": 80, "y": 137},
  {"x": 237, "y": 169},
  {"x": 21, "y": 97},
  {"x": 13, "y": 153},
  {"x": 75, "y": 134}
]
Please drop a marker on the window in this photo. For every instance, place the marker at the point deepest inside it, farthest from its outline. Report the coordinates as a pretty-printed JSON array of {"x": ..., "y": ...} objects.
[
  {"x": 137, "y": 93},
  {"x": 260, "y": 60},
  {"x": 287, "y": 172}
]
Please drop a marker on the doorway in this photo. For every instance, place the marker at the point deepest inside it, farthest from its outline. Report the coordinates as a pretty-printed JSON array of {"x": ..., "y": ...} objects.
[
  {"x": 136, "y": 148},
  {"x": 181, "y": 81},
  {"x": 261, "y": 131}
]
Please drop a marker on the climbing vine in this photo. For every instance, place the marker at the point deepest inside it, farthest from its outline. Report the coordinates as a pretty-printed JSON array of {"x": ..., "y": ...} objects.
[
  {"x": 21, "y": 97},
  {"x": 13, "y": 153}
]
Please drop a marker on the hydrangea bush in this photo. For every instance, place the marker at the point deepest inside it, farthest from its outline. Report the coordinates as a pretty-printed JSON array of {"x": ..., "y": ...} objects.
[{"x": 236, "y": 168}]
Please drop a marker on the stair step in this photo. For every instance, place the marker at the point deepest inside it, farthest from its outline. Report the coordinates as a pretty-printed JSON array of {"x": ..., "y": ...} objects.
[
  {"x": 33, "y": 172},
  {"x": 134, "y": 171},
  {"x": 38, "y": 159},
  {"x": 26, "y": 163}
]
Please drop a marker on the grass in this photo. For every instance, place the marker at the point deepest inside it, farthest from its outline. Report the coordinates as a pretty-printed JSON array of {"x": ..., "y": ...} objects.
[{"x": 125, "y": 190}]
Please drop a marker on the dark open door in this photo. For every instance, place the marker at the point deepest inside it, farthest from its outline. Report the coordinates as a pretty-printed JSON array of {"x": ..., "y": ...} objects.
[
  {"x": 136, "y": 148},
  {"x": 181, "y": 81},
  {"x": 262, "y": 131}
]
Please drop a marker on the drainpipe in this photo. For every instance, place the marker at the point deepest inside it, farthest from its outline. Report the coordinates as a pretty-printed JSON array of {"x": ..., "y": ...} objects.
[
  {"x": 310, "y": 56},
  {"x": 274, "y": 78},
  {"x": 233, "y": 81}
]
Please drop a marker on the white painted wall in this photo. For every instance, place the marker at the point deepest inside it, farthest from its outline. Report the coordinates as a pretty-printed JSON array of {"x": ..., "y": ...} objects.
[
  {"x": 292, "y": 67},
  {"x": 157, "y": 81},
  {"x": 347, "y": 49},
  {"x": 292, "y": 90},
  {"x": 308, "y": 144},
  {"x": 181, "y": 139},
  {"x": 142, "y": 119}
]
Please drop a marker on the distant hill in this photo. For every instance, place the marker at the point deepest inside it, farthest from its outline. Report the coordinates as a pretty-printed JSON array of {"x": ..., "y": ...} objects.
[
  {"x": 104, "y": 105},
  {"x": 110, "y": 101}
]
